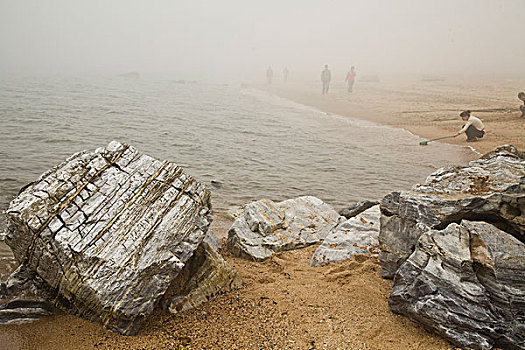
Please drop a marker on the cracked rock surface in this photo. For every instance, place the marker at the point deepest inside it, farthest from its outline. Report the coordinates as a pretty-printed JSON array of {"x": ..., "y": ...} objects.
[
  {"x": 491, "y": 189},
  {"x": 455, "y": 247},
  {"x": 467, "y": 283},
  {"x": 265, "y": 227},
  {"x": 357, "y": 235},
  {"x": 106, "y": 232}
]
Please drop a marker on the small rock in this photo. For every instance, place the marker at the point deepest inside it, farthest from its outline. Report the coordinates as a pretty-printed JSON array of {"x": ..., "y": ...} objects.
[
  {"x": 357, "y": 235},
  {"x": 205, "y": 276},
  {"x": 216, "y": 184},
  {"x": 20, "y": 311},
  {"x": 265, "y": 227}
]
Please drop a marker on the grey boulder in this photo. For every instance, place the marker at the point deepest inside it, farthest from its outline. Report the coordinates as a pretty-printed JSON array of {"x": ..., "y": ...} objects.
[
  {"x": 20, "y": 284},
  {"x": 490, "y": 189},
  {"x": 357, "y": 235},
  {"x": 106, "y": 232},
  {"x": 264, "y": 227},
  {"x": 23, "y": 300},
  {"x": 467, "y": 283}
]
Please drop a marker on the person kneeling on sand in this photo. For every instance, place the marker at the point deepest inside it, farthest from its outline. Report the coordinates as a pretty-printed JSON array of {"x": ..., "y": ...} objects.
[
  {"x": 521, "y": 96},
  {"x": 473, "y": 127}
]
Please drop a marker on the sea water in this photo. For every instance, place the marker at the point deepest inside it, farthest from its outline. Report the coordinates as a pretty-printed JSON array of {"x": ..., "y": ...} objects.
[{"x": 244, "y": 143}]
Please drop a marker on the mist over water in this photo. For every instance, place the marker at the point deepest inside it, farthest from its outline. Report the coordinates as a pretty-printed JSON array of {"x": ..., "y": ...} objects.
[
  {"x": 253, "y": 144},
  {"x": 236, "y": 40}
]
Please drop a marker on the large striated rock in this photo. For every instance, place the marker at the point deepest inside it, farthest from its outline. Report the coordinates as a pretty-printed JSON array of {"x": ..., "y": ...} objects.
[
  {"x": 107, "y": 232},
  {"x": 357, "y": 235},
  {"x": 205, "y": 275},
  {"x": 467, "y": 283},
  {"x": 265, "y": 227},
  {"x": 491, "y": 189}
]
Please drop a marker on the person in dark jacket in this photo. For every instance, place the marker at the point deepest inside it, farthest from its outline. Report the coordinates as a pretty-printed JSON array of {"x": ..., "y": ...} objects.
[{"x": 326, "y": 76}]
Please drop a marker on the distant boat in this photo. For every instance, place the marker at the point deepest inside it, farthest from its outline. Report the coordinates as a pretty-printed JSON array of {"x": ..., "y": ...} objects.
[{"x": 132, "y": 75}]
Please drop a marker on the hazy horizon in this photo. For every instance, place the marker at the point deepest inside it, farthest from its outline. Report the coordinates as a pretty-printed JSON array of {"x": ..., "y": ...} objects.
[{"x": 238, "y": 40}]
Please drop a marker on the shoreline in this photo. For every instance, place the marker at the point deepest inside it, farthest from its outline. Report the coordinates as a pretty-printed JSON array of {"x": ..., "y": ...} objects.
[
  {"x": 425, "y": 109},
  {"x": 286, "y": 303}
]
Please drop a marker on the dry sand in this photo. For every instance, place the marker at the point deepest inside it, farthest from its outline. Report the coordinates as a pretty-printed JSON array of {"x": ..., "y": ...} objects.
[{"x": 285, "y": 302}]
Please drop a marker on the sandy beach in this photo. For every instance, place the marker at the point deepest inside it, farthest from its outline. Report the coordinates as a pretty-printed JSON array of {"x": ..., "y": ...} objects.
[
  {"x": 125, "y": 126},
  {"x": 286, "y": 304},
  {"x": 429, "y": 109}
]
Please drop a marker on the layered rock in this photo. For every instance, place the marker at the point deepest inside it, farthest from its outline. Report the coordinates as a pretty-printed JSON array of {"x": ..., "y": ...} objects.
[
  {"x": 357, "y": 235},
  {"x": 23, "y": 301},
  {"x": 19, "y": 311},
  {"x": 205, "y": 276},
  {"x": 264, "y": 227},
  {"x": 467, "y": 283},
  {"x": 455, "y": 246},
  {"x": 489, "y": 189},
  {"x": 107, "y": 232}
]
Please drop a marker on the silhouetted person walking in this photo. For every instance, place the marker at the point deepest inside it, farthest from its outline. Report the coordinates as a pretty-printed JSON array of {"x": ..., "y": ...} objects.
[
  {"x": 350, "y": 78},
  {"x": 269, "y": 75},
  {"x": 285, "y": 74},
  {"x": 326, "y": 76}
]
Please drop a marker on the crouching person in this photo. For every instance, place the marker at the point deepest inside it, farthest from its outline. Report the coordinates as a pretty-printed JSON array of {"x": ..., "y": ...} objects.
[{"x": 473, "y": 128}]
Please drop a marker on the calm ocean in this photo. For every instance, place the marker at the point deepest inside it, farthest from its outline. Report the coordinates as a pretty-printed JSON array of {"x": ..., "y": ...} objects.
[{"x": 253, "y": 144}]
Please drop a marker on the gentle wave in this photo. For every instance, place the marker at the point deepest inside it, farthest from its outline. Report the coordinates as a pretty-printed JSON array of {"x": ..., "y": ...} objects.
[{"x": 255, "y": 144}]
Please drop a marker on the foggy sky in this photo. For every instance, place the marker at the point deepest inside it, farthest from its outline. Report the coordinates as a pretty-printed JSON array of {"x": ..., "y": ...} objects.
[{"x": 239, "y": 39}]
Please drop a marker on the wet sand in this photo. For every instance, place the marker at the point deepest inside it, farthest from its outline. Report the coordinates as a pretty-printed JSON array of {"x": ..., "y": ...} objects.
[
  {"x": 286, "y": 303},
  {"x": 429, "y": 109}
]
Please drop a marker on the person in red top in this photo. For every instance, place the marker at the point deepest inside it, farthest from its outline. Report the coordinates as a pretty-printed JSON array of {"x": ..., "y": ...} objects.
[{"x": 350, "y": 79}]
